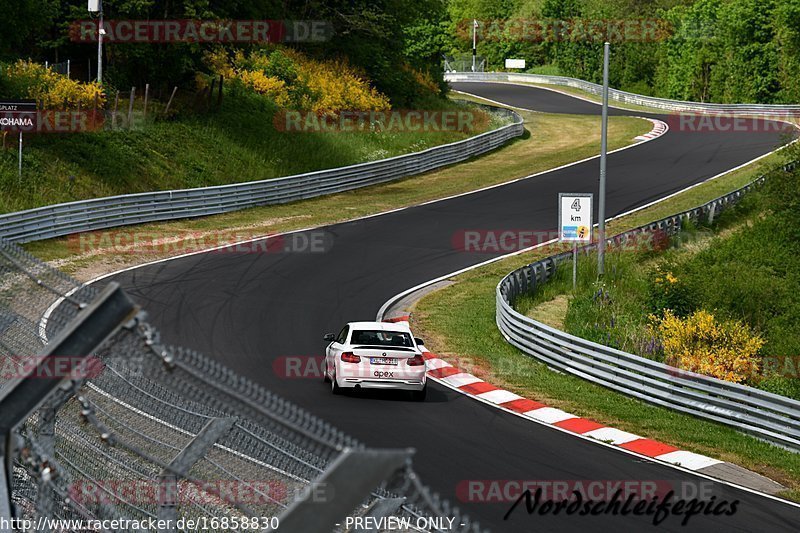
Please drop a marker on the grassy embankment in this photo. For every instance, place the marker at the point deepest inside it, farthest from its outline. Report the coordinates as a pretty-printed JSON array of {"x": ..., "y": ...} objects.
[{"x": 235, "y": 143}]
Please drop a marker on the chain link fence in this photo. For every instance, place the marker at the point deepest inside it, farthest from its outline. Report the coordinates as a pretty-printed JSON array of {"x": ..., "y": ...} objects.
[
  {"x": 463, "y": 63},
  {"x": 147, "y": 433}
]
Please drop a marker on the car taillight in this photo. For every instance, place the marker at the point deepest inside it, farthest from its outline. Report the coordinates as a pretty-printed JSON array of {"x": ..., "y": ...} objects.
[
  {"x": 417, "y": 360},
  {"x": 349, "y": 357}
]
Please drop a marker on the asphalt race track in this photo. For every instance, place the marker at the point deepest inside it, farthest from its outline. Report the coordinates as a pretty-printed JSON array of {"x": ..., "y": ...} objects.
[{"x": 250, "y": 310}]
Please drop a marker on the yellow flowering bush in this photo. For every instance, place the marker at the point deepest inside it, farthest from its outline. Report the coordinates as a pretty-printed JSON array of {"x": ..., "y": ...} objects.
[
  {"x": 53, "y": 90},
  {"x": 273, "y": 88},
  {"x": 291, "y": 79},
  {"x": 700, "y": 343},
  {"x": 339, "y": 86},
  {"x": 666, "y": 291},
  {"x": 217, "y": 60}
]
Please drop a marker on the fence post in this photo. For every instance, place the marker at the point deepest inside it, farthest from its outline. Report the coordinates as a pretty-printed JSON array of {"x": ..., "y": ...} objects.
[
  {"x": 146, "y": 93},
  {"x": 114, "y": 114},
  {"x": 169, "y": 103},
  {"x": 130, "y": 108}
]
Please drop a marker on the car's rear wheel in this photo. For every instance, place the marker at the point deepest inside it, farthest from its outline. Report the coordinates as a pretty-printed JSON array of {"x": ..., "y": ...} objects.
[
  {"x": 325, "y": 377},
  {"x": 420, "y": 395},
  {"x": 335, "y": 388}
]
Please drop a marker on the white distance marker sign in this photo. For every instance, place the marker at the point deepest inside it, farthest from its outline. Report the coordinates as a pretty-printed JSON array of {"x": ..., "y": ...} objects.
[{"x": 575, "y": 217}]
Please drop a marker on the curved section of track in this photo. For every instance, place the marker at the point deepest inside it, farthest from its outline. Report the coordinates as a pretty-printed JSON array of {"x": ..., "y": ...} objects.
[{"x": 250, "y": 310}]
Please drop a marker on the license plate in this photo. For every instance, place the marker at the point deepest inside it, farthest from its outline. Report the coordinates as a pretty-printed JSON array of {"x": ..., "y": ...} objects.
[{"x": 383, "y": 361}]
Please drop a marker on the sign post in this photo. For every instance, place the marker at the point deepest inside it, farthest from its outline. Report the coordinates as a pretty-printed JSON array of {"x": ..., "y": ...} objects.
[
  {"x": 96, "y": 6},
  {"x": 19, "y": 116},
  {"x": 601, "y": 246},
  {"x": 474, "y": 43},
  {"x": 575, "y": 224}
]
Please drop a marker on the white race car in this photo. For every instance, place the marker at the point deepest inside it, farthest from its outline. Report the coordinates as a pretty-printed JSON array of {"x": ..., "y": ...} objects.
[{"x": 375, "y": 355}]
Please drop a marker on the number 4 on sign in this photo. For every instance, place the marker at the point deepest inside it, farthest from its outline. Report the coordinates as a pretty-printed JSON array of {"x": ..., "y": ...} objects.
[{"x": 576, "y": 205}]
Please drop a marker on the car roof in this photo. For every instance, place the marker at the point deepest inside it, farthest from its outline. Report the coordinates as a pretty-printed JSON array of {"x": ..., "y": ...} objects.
[{"x": 381, "y": 326}]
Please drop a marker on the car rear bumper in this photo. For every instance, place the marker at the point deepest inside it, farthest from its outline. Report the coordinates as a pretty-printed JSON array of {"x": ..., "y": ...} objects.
[{"x": 375, "y": 383}]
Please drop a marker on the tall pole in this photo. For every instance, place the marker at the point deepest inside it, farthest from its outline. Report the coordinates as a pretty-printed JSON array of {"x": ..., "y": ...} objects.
[
  {"x": 474, "y": 43},
  {"x": 100, "y": 32},
  {"x": 601, "y": 246},
  {"x": 19, "y": 165}
]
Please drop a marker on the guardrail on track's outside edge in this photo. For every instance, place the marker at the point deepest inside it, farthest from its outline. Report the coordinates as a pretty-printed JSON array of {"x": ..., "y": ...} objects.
[
  {"x": 765, "y": 415},
  {"x": 101, "y": 213},
  {"x": 622, "y": 96}
]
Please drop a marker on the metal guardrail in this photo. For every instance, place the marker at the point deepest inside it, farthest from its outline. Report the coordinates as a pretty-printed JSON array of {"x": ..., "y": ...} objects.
[
  {"x": 760, "y": 413},
  {"x": 622, "y": 96},
  {"x": 100, "y": 213}
]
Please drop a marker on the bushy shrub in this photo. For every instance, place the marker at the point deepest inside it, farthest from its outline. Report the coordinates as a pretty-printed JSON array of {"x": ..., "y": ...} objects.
[
  {"x": 337, "y": 85},
  {"x": 783, "y": 385},
  {"x": 26, "y": 79},
  {"x": 700, "y": 343},
  {"x": 272, "y": 88},
  {"x": 667, "y": 292},
  {"x": 292, "y": 80}
]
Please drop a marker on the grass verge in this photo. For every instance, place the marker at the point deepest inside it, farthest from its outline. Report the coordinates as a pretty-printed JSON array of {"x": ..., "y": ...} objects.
[
  {"x": 238, "y": 142},
  {"x": 459, "y": 321},
  {"x": 551, "y": 141}
]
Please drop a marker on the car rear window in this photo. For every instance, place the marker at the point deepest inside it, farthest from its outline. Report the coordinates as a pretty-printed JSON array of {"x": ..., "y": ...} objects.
[{"x": 382, "y": 338}]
